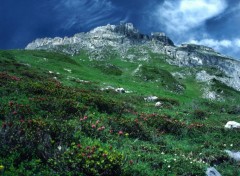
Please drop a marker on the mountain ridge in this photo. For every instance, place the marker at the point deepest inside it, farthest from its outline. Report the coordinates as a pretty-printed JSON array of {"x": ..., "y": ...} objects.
[{"x": 122, "y": 38}]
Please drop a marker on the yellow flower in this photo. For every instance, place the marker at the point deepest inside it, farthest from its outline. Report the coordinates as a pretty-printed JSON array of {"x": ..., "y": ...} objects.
[{"x": 1, "y": 167}]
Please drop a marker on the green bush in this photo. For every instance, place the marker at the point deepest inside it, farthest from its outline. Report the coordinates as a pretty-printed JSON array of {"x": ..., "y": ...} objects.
[{"x": 87, "y": 160}]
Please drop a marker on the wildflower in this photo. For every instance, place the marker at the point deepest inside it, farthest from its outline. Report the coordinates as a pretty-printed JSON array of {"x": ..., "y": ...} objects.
[
  {"x": 126, "y": 134},
  {"x": 231, "y": 145},
  {"x": 104, "y": 155},
  {"x": 1, "y": 167},
  {"x": 85, "y": 118},
  {"x": 169, "y": 166},
  {"x": 93, "y": 126},
  {"x": 14, "y": 112},
  {"x": 162, "y": 153},
  {"x": 97, "y": 122},
  {"x": 79, "y": 146},
  {"x": 120, "y": 132},
  {"x": 103, "y": 127},
  {"x": 131, "y": 162},
  {"x": 59, "y": 148}
]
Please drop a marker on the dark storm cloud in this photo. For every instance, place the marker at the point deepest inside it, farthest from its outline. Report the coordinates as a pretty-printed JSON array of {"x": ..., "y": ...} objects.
[{"x": 210, "y": 22}]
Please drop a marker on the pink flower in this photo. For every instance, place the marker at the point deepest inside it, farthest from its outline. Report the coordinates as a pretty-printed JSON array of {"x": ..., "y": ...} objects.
[
  {"x": 14, "y": 112},
  {"x": 97, "y": 122},
  {"x": 93, "y": 126},
  {"x": 85, "y": 117},
  {"x": 120, "y": 132},
  {"x": 103, "y": 127}
]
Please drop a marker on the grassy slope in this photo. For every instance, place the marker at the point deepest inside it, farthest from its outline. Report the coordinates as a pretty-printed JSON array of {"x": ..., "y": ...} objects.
[{"x": 40, "y": 114}]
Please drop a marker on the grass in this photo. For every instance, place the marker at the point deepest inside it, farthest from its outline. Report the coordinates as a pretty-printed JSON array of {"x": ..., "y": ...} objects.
[{"x": 51, "y": 105}]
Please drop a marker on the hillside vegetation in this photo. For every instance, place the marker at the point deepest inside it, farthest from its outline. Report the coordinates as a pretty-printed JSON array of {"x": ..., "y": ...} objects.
[{"x": 60, "y": 115}]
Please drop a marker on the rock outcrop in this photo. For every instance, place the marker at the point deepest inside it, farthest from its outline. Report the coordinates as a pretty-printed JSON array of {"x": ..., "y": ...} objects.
[
  {"x": 130, "y": 44},
  {"x": 212, "y": 172}
]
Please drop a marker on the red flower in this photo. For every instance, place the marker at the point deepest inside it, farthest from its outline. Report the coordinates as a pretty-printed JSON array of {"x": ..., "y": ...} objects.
[
  {"x": 120, "y": 132},
  {"x": 14, "y": 112}
]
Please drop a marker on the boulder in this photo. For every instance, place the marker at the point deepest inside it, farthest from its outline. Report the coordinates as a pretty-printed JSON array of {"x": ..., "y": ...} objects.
[
  {"x": 212, "y": 172},
  {"x": 232, "y": 124},
  {"x": 233, "y": 155}
]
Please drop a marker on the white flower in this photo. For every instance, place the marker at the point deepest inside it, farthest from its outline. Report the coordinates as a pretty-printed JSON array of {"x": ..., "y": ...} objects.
[
  {"x": 162, "y": 153},
  {"x": 231, "y": 145},
  {"x": 59, "y": 148},
  {"x": 169, "y": 166}
]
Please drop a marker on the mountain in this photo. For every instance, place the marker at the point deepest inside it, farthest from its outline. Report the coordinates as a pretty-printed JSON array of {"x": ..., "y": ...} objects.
[
  {"x": 113, "y": 101},
  {"x": 122, "y": 38}
]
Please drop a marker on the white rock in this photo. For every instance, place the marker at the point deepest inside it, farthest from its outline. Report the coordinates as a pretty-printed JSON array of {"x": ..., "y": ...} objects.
[
  {"x": 158, "y": 104},
  {"x": 232, "y": 124},
  {"x": 120, "y": 90},
  {"x": 59, "y": 148},
  {"x": 233, "y": 155},
  {"x": 151, "y": 98},
  {"x": 212, "y": 172}
]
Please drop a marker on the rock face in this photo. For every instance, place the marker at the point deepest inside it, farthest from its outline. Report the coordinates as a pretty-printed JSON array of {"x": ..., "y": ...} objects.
[{"x": 130, "y": 44}]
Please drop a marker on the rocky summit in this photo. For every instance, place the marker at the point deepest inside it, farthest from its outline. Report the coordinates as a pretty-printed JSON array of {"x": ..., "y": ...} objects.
[{"x": 123, "y": 38}]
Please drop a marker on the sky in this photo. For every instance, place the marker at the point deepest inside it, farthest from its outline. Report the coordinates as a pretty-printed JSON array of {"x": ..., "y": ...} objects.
[{"x": 214, "y": 23}]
